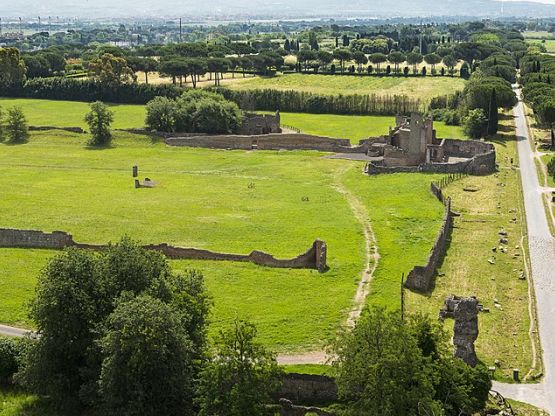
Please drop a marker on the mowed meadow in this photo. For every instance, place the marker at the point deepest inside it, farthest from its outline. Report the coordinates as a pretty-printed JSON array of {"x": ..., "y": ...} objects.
[
  {"x": 231, "y": 201},
  {"x": 423, "y": 88},
  {"x": 71, "y": 114}
]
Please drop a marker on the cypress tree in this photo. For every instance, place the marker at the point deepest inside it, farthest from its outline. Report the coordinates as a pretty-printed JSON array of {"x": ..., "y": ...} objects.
[{"x": 493, "y": 116}]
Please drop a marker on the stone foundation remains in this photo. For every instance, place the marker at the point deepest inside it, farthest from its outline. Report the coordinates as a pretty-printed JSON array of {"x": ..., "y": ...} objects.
[
  {"x": 465, "y": 313},
  {"x": 272, "y": 141},
  {"x": 314, "y": 258},
  {"x": 421, "y": 278},
  {"x": 260, "y": 124},
  {"x": 308, "y": 389}
]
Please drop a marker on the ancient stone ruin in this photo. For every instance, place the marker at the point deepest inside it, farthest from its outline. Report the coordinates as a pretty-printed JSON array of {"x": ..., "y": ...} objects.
[
  {"x": 413, "y": 146},
  {"x": 465, "y": 313},
  {"x": 254, "y": 124},
  {"x": 314, "y": 258}
]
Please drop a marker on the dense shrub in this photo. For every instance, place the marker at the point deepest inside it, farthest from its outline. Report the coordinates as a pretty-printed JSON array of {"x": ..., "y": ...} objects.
[
  {"x": 551, "y": 167},
  {"x": 11, "y": 350},
  {"x": 448, "y": 116},
  {"x": 59, "y": 88},
  {"x": 305, "y": 102},
  {"x": 195, "y": 111},
  {"x": 474, "y": 124}
]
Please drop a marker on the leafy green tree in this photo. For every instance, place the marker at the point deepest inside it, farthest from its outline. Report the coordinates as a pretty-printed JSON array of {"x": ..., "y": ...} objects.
[
  {"x": 475, "y": 123},
  {"x": 305, "y": 56},
  {"x": 450, "y": 62},
  {"x": 160, "y": 114},
  {"x": 37, "y": 66},
  {"x": 376, "y": 362},
  {"x": 147, "y": 366},
  {"x": 378, "y": 59},
  {"x": 493, "y": 114},
  {"x": 99, "y": 119},
  {"x": 477, "y": 92},
  {"x": 396, "y": 58},
  {"x": 414, "y": 59},
  {"x": 360, "y": 59},
  {"x": 313, "y": 41},
  {"x": 146, "y": 65},
  {"x": 325, "y": 58},
  {"x": 432, "y": 59},
  {"x": 111, "y": 70},
  {"x": 16, "y": 128},
  {"x": 12, "y": 67},
  {"x": 77, "y": 292},
  {"x": 342, "y": 55},
  {"x": 465, "y": 70},
  {"x": 241, "y": 376}
]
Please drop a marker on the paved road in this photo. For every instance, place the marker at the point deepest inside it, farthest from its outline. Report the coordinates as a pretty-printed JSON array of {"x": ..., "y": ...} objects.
[
  {"x": 12, "y": 332},
  {"x": 542, "y": 258}
]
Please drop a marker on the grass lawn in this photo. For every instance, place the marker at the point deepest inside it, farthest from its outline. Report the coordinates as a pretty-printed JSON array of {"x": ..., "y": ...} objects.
[
  {"x": 504, "y": 330},
  {"x": 548, "y": 43},
  {"x": 14, "y": 402},
  {"x": 405, "y": 229},
  {"x": 231, "y": 201},
  {"x": 422, "y": 87},
  {"x": 355, "y": 127},
  {"x": 71, "y": 114},
  {"x": 530, "y": 34}
]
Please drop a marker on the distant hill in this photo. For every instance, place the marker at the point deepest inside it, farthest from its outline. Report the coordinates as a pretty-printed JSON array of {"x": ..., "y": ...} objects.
[{"x": 276, "y": 8}]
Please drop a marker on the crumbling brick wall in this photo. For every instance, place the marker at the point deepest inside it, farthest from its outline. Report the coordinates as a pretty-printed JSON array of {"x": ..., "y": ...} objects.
[
  {"x": 421, "y": 278},
  {"x": 314, "y": 258},
  {"x": 34, "y": 239}
]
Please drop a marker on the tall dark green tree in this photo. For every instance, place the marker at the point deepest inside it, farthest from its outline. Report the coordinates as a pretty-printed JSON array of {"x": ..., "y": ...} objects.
[
  {"x": 77, "y": 293},
  {"x": 493, "y": 114},
  {"x": 16, "y": 128},
  {"x": 99, "y": 119},
  {"x": 147, "y": 366},
  {"x": 240, "y": 378}
]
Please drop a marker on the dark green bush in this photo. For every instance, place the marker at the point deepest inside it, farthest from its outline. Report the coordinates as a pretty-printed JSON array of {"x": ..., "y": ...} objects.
[
  {"x": 11, "y": 350},
  {"x": 551, "y": 167}
]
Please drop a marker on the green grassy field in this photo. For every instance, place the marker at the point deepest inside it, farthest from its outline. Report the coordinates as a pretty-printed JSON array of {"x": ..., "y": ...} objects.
[
  {"x": 548, "y": 43},
  {"x": 504, "y": 330},
  {"x": 232, "y": 201},
  {"x": 355, "y": 127},
  {"x": 424, "y": 88},
  {"x": 71, "y": 114},
  {"x": 530, "y": 34}
]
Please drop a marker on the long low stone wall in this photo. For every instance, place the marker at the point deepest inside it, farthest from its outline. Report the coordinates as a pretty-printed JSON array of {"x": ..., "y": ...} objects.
[
  {"x": 421, "y": 278},
  {"x": 46, "y": 128},
  {"x": 314, "y": 258},
  {"x": 273, "y": 141}
]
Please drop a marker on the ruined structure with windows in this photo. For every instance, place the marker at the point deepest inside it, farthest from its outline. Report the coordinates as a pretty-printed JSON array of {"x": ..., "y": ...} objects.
[{"x": 413, "y": 146}]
